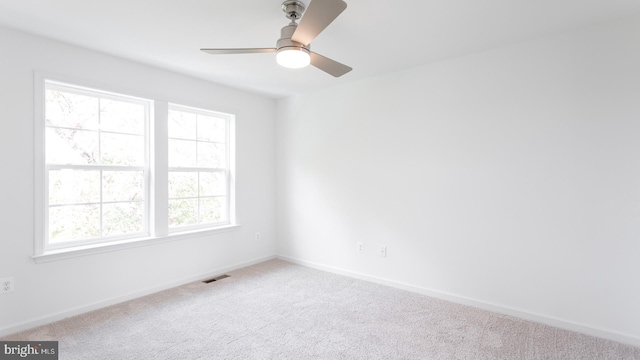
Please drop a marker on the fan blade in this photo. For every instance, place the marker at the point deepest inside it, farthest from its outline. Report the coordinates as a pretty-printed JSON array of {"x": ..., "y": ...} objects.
[
  {"x": 317, "y": 17},
  {"x": 239, "y": 51},
  {"x": 329, "y": 66}
]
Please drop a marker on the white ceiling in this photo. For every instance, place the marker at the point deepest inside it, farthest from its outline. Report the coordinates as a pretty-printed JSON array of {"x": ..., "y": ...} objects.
[{"x": 372, "y": 36}]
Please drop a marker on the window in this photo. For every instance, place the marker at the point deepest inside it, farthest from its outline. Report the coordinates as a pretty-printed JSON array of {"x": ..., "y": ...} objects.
[
  {"x": 96, "y": 152},
  {"x": 95, "y": 165},
  {"x": 198, "y": 168}
]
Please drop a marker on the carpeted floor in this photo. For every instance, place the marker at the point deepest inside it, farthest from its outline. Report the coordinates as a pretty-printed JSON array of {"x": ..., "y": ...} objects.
[{"x": 277, "y": 310}]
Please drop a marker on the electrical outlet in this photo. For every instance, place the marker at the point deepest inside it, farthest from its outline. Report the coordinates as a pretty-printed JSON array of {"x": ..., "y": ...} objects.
[
  {"x": 6, "y": 285},
  {"x": 383, "y": 251},
  {"x": 257, "y": 236},
  {"x": 360, "y": 247}
]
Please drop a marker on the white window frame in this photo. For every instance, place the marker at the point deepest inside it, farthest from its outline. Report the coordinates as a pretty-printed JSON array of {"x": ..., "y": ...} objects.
[
  {"x": 226, "y": 169},
  {"x": 148, "y": 105},
  {"x": 156, "y": 228}
]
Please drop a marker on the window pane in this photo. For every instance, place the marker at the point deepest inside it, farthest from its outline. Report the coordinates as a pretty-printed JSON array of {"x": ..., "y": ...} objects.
[
  {"x": 183, "y": 212},
  {"x": 212, "y": 183},
  {"x": 120, "y": 149},
  {"x": 122, "y": 186},
  {"x": 71, "y": 110},
  {"x": 211, "y": 210},
  {"x": 75, "y": 147},
  {"x": 74, "y": 186},
  {"x": 211, "y": 128},
  {"x": 182, "y": 125},
  {"x": 68, "y": 223},
  {"x": 122, "y": 218},
  {"x": 183, "y": 184},
  {"x": 182, "y": 153},
  {"x": 210, "y": 155},
  {"x": 120, "y": 116}
]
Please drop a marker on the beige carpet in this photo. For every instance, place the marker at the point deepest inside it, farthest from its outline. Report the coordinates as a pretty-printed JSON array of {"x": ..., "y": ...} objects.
[{"x": 277, "y": 310}]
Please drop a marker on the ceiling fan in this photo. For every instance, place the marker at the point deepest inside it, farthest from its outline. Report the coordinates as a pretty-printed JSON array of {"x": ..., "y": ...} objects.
[{"x": 292, "y": 49}]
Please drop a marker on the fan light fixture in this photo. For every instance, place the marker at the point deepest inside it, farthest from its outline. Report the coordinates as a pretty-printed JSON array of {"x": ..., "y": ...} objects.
[
  {"x": 293, "y": 48},
  {"x": 293, "y": 57}
]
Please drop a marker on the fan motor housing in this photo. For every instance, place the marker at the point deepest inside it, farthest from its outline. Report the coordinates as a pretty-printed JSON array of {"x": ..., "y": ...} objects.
[
  {"x": 293, "y": 9},
  {"x": 285, "y": 39}
]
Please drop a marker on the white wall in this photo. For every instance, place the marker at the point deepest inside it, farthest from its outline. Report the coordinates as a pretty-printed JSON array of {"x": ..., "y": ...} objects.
[
  {"x": 50, "y": 290},
  {"x": 508, "y": 179}
]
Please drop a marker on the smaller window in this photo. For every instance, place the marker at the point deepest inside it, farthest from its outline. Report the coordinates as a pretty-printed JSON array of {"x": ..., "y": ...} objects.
[{"x": 199, "y": 184}]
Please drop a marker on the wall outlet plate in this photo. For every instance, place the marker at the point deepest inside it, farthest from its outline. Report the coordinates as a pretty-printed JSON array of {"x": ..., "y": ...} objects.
[
  {"x": 6, "y": 285},
  {"x": 383, "y": 251}
]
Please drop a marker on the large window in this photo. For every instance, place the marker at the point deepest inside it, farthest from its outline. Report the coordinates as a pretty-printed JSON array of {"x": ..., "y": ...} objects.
[
  {"x": 95, "y": 165},
  {"x": 96, "y": 156}
]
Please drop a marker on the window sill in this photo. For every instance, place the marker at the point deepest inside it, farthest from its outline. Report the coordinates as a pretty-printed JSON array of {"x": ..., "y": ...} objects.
[{"x": 55, "y": 255}]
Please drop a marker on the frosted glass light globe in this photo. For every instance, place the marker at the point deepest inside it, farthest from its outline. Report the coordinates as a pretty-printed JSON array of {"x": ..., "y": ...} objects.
[{"x": 293, "y": 58}]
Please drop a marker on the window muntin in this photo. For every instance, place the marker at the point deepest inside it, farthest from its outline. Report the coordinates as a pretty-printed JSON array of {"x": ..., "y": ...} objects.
[
  {"x": 95, "y": 166},
  {"x": 198, "y": 165}
]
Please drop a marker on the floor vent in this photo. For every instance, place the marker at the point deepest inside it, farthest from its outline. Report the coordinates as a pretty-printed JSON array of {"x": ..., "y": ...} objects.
[{"x": 215, "y": 279}]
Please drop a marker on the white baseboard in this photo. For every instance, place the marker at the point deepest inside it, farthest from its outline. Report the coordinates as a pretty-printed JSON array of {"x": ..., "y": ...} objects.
[
  {"x": 15, "y": 328},
  {"x": 501, "y": 309}
]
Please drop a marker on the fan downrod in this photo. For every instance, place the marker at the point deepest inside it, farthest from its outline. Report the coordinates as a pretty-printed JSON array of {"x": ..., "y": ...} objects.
[{"x": 293, "y": 9}]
